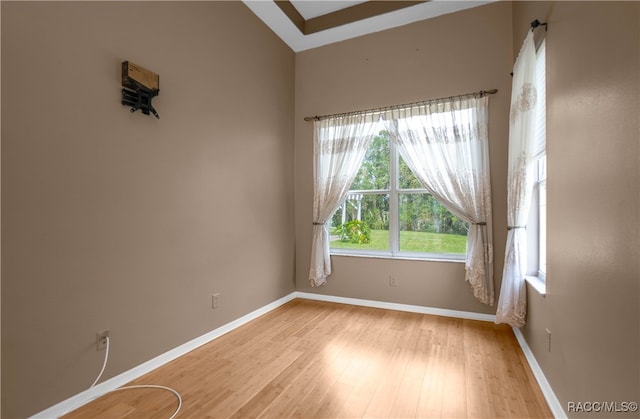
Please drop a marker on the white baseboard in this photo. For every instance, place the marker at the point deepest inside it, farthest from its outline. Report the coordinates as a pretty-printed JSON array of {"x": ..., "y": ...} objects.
[
  {"x": 86, "y": 396},
  {"x": 399, "y": 307},
  {"x": 555, "y": 406}
]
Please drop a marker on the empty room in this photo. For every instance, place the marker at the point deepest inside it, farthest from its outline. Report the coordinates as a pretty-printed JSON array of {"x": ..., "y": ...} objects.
[{"x": 320, "y": 209}]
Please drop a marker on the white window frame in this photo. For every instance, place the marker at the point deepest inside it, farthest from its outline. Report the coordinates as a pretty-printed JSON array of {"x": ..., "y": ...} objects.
[{"x": 394, "y": 220}]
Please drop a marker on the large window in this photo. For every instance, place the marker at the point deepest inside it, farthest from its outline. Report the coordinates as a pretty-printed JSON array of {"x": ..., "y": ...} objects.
[
  {"x": 537, "y": 224},
  {"x": 388, "y": 212}
]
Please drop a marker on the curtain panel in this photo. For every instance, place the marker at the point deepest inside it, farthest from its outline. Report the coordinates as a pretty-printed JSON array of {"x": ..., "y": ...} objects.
[
  {"x": 512, "y": 304},
  {"x": 445, "y": 143},
  {"x": 340, "y": 144}
]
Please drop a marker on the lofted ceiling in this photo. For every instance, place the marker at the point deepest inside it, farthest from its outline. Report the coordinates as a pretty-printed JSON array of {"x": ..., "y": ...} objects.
[{"x": 306, "y": 24}]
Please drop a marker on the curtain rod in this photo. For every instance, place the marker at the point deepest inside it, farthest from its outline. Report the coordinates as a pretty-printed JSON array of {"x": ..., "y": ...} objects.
[
  {"x": 537, "y": 23},
  {"x": 481, "y": 93}
]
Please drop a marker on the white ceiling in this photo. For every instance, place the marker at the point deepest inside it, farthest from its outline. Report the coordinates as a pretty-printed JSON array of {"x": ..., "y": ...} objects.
[
  {"x": 279, "y": 23},
  {"x": 313, "y": 8}
]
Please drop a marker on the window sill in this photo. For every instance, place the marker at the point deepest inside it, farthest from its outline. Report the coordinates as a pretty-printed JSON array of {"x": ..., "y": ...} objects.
[
  {"x": 401, "y": 256},
  {"x": 537, "y": 284}
]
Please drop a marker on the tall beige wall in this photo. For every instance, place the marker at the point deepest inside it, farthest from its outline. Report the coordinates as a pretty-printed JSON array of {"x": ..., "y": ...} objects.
[
  {"x": 113, "y": 220},
  {"x": 592, "y": 302},
  {"x": 453, "y": 54}
]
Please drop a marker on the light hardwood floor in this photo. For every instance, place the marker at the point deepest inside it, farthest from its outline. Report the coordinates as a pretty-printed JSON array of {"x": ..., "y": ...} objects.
[{"x": 310, "y": 359}]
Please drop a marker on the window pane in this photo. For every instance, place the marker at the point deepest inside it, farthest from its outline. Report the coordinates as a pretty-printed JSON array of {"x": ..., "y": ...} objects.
[
  {"x": 541, "y": 133},
  {"x": 542, "y": 190},
  {"x": 374, "y": 172},
  {"x": 406, "y": 178},
  {"x": 362, "y": 222},
  {"x": 428, "y": 227}
]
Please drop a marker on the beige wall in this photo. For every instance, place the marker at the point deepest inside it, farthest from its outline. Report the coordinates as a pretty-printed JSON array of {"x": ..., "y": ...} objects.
[
  {"x": 119, "y": 221},
  {"x": 592, "y": 304},
  {"x": 113, "y": 220},
  {"x": 453, "y": 54}
]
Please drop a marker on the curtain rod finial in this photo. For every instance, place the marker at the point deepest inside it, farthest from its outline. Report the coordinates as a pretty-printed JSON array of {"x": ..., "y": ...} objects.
[{"x": 537, "y": 23}]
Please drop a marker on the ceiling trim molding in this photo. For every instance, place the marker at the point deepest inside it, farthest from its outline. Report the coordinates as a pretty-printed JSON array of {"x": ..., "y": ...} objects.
[
  {"x": 293, "y": 14},
  {"x": 341, "y": 17},
  {"x": 273, "y": 16}
]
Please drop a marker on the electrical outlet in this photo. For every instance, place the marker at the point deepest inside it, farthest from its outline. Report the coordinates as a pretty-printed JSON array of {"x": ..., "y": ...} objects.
[
  {"x": 101, "y": 340},
  {"x": 548, "y": 339},
  {"x": 215, "y": 300},
  {"x": 393, "y": 281}
]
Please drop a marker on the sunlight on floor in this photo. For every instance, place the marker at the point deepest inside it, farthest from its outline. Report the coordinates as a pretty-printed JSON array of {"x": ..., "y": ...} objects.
[{"x": 370, "y": 382}]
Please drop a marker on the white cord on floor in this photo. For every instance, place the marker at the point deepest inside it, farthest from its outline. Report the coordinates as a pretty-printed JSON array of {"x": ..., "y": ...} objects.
[
  {"x": 160, "y": 387},
  {"x": 104, "y": 364}
]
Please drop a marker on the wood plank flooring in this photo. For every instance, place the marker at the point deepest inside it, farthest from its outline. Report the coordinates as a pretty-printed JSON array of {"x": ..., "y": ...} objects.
[{"x": 310, "y": 359}]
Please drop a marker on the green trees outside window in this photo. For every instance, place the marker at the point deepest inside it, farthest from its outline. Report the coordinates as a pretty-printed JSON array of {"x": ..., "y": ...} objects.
[{"x": 400, "y": 216}]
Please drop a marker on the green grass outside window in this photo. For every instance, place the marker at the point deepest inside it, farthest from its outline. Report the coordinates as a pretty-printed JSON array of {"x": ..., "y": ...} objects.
[{"x": 410, "y": 241}]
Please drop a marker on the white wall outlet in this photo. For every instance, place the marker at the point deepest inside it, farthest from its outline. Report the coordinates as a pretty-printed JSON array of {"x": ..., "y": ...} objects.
[
  {"x": 548, "y": 339},
  {"x": 101, "y": 340},
  {"x": 215, "y": 300},
  {"x": 393, "y": 281}
]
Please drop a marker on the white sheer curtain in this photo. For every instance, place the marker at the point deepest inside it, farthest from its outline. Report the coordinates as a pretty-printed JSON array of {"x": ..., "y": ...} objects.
[
  {"x": 340, "y": 144},
  {"x": 512, "y": 305},
  {"x": 445, "y": 143}
]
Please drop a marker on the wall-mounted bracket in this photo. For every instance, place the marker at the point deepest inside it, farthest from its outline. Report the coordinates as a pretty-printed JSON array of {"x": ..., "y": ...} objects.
[
  {"x": 139, "y": 86},
  {"x": 140, "y": 99}
]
